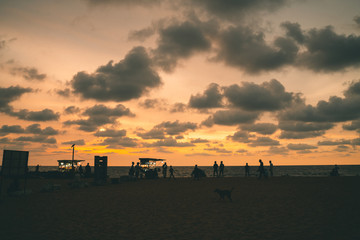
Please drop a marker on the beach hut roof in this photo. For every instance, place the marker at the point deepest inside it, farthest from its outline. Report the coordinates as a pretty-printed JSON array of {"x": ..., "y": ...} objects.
[{"x": 69, "y": 161}]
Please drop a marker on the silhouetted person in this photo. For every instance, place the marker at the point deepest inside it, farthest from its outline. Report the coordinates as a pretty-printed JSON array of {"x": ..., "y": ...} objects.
[
  {"x": 221, "y": 169},
  {"x": 271, "y": 169},
  {"x": 164, "y": 169},
  {"x": 196, "y": 173},
  {"x": 247, "y": 170},
  {"x": 132, "y": 169},
  {"x": 137, "y": 170},
  {"x": 215, "y": 167},
  {"x": 335, "y": 171},
  {"x": 37, "y": 168},
  {"x": 81, "y": 171},
  {"x": 171, "y": 170},
  {"x": 261, "y": 169},
  {"x": 87, "y": 170}
]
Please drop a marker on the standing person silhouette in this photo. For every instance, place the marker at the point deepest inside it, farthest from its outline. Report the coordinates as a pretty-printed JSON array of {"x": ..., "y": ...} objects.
[
  {"x": 132, "y": 170},
  {"x": 247, "y": 170},
  {"x": 215, "y": 167},
  {"x": 221, "y": 169},
  {"x": 271, "y": 169},
  {"x": 164, "y": 169},
  {"x": 196, "y": 173},
  {"x": 171, "y": 170},
  {"x": 261, "y": 169},
  {"x": 137, "y": 170},
  {"x": 87, "y": 170}
]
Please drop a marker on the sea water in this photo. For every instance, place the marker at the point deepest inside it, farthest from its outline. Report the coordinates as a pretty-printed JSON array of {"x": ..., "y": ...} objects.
[{"x": 239, "y": 171}]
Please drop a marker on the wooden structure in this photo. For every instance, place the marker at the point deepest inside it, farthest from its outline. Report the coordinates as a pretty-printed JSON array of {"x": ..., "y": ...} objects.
[{"x": 150, "y": 167}]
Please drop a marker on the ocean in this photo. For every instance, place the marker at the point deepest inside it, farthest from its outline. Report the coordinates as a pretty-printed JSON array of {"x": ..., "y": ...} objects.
[{"x": 239, "y": 171}]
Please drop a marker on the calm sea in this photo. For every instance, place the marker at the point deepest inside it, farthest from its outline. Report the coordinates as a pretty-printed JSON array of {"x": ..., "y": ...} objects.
[{"x": 239, "y": 171}]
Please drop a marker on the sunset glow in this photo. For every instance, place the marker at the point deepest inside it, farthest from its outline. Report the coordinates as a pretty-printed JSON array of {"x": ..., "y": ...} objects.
[{"x": 187, "y": 81}]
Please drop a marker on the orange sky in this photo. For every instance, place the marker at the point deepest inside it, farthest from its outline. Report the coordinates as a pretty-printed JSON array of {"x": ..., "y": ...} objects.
[{"x": 191, "y": 82}]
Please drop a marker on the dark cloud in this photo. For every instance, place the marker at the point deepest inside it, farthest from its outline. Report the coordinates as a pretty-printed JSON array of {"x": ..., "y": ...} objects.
[
  {"x": 242, "y": 151},
  {"x": 154, "y": 103},
  {"x": 10, "y": 94},
  {"x": 268, "y": 96},
  {"x": 28, "y": 73},
  {"x": 262, "y": 128},
  {"x": 79, "y": 142},
  {"x": 231, "y": 117},
  {"x": 300, "y": 135},
  {"x": 37, "y": 116},
  {"x": 354, "y": 125},
  {"x": 111, "y": 133},
  {"x": 334, "y": 143},
  {"x": 153, "y": 134},
  {"x": 329, "y": 51},
  {"x": 37, "y": 139},
  {"x": 342, "y": 148},
  {"x": 129, "y": 3},
  {"x": 305, "y": 126},
  {"x": 278, "y": 150},
  {"x": 263, "y": 141},
  {"x": 35, "y": 129},
  {"x": 178, "y": 107},
  {"x": 211, "y": 98},
  {"x": 168, "y": 128},
  {"x": 100, "y": 115},
  {"x": 301, "y": 130},
  {"x": 175, "y": 128},
  {"x": 182, "y": 40},
  {"x": 294, "y": 31},
  {"x": 230, "y": 9},
  {"x": 116, "y": 142},
  {"x": 300, "y": 146},
  {"x": 15, "y": 145},
  {"x": 218, "y": 150},
  {"x": 243, "y": 48},
  {"x": 241, "y": 136},
  {"x": 63, "y": 92},
  {"x": 128, "y": 79},
  {"x": 168, "y": 142},
  {"x": 6, "y": 129},
  {"x": 336, "y": 109},
  {"x": 71, "y": 110},
  {"x": 199, "y": 140}
]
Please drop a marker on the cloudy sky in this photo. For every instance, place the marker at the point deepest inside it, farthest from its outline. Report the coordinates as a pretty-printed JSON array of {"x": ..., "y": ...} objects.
[{"x": 191, "y": 81}]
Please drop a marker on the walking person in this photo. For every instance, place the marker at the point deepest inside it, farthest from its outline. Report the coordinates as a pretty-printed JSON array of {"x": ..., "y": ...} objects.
[
  {"x": 221, "y": 169},
  {"x": 247, "y": 170},
  {"x": 271, "y": 169},
  {"x": 261, "y": 169},
  {"x": 215, "y": 167}
]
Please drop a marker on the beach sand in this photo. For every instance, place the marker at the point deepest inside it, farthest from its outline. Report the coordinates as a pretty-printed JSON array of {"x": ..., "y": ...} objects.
[{"x": 276, "y": 208}]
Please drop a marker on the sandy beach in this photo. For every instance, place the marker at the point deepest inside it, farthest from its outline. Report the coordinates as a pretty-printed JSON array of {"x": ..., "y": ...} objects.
[{"x": 276, "y": 208}]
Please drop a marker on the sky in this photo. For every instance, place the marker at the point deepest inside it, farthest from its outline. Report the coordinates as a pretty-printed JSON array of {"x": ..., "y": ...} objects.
[{"x": 189, "y": 81}]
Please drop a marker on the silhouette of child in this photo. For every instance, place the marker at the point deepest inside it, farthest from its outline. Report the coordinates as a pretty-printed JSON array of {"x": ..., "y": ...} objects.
[{"x": 215, "y": 167}]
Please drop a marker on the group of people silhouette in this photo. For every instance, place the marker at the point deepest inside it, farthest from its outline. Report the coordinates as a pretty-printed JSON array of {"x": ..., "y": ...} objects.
[
  {"x": 134, "y": 171},
  {"x": 218, "y": 170},
  {"x": 197, "y": 173},
  {"x": 171, "y": 171},
  {"x": 262, "y": 171}
]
